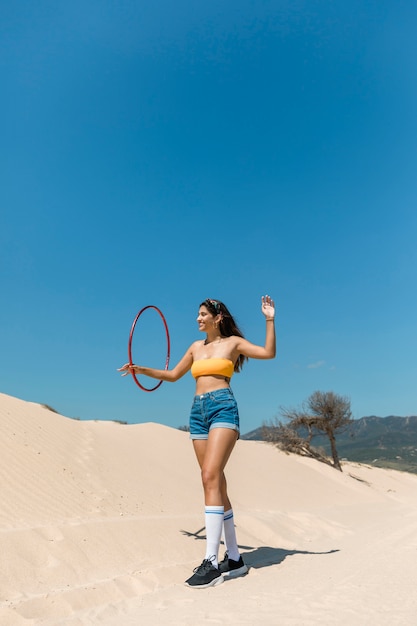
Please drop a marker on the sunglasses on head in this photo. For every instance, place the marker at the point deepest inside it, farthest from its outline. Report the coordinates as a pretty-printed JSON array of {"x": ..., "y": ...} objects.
[{"x": 214, "y": 303}]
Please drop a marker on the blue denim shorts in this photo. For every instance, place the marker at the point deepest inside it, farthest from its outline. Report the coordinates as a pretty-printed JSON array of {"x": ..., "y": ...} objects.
[{"x": 216, "y": 409}]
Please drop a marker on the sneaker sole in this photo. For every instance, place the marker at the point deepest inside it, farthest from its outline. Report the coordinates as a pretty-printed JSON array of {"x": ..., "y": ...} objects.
[
  {"x": 216, "y": 581},
  {"x": 235, "y": 573}
]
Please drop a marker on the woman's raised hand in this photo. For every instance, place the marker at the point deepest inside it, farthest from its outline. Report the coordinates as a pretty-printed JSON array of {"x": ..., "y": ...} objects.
[{"x": 268, "y": 307}]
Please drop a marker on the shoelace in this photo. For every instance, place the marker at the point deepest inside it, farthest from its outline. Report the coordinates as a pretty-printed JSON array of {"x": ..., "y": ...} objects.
[{"x": 204, "y": 567}]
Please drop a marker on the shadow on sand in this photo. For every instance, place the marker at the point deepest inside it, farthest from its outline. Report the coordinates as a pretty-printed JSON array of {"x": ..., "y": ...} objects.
[
  {"x": 258, "y": 557},
  {"x": 266, "y": 556}
]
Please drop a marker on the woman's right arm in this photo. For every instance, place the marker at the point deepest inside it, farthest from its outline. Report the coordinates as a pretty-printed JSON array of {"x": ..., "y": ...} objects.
[{"x": 171, "y": 376}]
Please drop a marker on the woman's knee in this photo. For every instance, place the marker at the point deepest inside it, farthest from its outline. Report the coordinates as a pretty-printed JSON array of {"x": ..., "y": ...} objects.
[{"x": 211, "y": 478}]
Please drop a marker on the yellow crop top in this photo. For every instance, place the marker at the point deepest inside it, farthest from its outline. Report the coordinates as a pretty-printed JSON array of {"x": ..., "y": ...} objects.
[{"x": 213, "y": 367}]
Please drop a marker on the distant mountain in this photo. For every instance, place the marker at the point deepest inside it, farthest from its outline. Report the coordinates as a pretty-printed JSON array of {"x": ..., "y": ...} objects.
[{"x": 381, "y": 441}]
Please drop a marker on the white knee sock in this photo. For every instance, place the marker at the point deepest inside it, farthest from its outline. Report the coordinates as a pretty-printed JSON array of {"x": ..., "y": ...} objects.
[
  {"x": 230, "y": 536},
  {"x": 214, "y": 524}
]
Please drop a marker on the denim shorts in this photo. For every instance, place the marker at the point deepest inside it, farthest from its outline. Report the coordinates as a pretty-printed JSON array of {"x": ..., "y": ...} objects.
[{"x": 216, "y": 409}]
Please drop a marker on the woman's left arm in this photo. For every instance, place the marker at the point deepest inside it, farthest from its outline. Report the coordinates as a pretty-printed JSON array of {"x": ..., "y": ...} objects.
[{"x": 268, "y": 351}]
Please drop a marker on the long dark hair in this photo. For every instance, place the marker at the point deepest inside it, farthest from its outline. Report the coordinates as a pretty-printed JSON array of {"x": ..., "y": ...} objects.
[{"x": 227, "y": 325}]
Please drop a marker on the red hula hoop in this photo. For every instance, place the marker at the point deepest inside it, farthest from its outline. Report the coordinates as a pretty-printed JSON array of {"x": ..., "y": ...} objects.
[{"x": 129, "y": 347}]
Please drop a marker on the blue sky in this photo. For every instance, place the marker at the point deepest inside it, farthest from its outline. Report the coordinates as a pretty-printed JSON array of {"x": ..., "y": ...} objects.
[{"x": 161, "y": 153}]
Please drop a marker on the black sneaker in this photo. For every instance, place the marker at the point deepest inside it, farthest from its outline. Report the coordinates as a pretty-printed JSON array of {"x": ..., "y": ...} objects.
[
  {"x": 231, "y": 568},
  {"x": 205, "y": 575}
]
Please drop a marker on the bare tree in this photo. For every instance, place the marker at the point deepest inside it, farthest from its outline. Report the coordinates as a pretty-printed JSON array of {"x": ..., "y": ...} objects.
[
  {"x": 324, "y": 412},
  {"x": 289, "y": 440}
]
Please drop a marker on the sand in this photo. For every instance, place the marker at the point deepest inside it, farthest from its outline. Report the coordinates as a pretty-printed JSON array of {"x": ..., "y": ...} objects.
[{"x": 100, "y": 523}]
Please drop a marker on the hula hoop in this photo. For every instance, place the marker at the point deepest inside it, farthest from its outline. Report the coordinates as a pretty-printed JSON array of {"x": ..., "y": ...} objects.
[{"x": 129, "y": 347}]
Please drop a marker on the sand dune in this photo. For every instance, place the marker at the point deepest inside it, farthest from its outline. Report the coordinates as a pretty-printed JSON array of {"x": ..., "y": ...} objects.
[{"x": 100, "y": 523}]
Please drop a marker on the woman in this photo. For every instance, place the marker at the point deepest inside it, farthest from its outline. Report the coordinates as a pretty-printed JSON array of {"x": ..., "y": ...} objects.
[{"x": 214, "y": 423}]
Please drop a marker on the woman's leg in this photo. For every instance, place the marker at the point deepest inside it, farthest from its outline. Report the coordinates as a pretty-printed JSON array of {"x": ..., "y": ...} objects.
[
  {"x": 212, "y": 455},
  {"x": 229, "y": 533}
]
